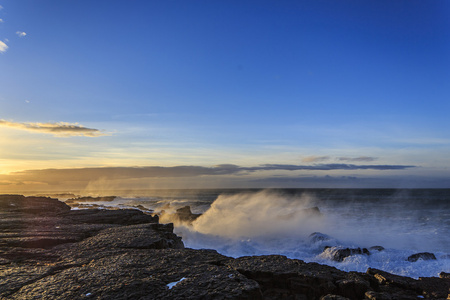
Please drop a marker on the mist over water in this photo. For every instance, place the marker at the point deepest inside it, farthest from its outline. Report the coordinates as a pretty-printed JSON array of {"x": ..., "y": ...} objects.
[
  {"x": 262, "y": 214},
  {"x": 257, "y": 222}
]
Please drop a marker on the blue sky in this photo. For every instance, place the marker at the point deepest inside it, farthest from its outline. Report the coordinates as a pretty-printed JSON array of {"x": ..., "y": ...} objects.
[{"x": 98, "y": 84}]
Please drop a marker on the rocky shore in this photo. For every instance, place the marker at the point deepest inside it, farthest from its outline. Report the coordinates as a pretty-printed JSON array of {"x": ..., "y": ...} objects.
[{"x": 48, "y": 251}]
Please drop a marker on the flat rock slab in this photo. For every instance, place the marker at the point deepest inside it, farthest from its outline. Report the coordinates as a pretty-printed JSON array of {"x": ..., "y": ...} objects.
[{"x": 145, "y": 274}]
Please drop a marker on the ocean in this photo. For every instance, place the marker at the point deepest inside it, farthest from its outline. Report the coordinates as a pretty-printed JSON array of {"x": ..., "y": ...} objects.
[{"x": 309, "y": 224}]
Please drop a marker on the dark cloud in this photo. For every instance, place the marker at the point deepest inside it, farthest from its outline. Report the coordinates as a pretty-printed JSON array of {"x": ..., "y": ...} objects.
[{"x": 58, "y": 129}]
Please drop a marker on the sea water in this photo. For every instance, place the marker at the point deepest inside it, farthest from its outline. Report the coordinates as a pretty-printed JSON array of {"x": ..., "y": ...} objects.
[{"x": 281, "y": 221}]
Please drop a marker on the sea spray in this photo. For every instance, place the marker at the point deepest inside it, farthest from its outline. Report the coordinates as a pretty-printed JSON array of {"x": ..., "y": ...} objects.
[
  {"x": 238, "y": 223},
  {"x": 265, "y": 213}
]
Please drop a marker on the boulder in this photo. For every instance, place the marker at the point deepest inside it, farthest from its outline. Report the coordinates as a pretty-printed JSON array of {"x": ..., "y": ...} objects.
[
  {"x": 422, "y": 255},
  {"x": 339, "y": 254},
  {"x": 317, "y": 237},
  {"x": 376, "y": 248}
]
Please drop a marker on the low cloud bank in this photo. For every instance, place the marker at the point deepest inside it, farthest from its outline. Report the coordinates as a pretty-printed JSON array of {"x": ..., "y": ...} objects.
[{"x": 60, "y": 176}]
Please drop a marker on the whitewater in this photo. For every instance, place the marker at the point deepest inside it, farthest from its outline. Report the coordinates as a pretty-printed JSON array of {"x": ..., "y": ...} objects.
[{"x": 310, "y": 224}]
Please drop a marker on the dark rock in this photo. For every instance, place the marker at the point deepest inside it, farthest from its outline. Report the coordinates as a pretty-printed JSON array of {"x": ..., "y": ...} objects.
[
  {"x": 278, "y": 275},
  {"x": 444, "y": 275},
  {"x": 144, "y": 274},
  {"x": 371, "y": 295},
  {"x": 339, "y": 254},
  {"x": 385, "y": 278},
  {"x": 90, "y": 199},
  {"x": 422, "y": 255},
  {"x": 434, "y": 287},
  {"x": 316, "y": 237},
  {"x": 333, "y": 297},
  {"x": 141, "y": 236},
  {"x": 376, "y": 248},
  {"x": 119, "y": 217},
  {"x": 353, "y": 286},
  {"x": 32, "y": 205},
  {"x": 185, "y": 214}
]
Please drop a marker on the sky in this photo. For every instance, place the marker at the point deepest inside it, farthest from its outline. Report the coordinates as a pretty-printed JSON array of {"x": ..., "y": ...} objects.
[{"x": 212, "y": 94}]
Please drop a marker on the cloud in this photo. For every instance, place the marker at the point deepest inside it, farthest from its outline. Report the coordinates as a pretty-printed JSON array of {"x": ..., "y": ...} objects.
[
  {"x": 61, "y": 129},
  {"x": 21, "y": 33},
  {"x": 315, "y": 158},
  {"x": 3, "y": 47},
  {"x": 85, "y": 175},
  {"x": 1, "y": 21},
  {"x": 360, "y": 158}
]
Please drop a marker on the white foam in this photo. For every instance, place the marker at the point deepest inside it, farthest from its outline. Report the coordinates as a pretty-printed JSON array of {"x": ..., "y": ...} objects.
[{"x": 172, "y": 284}]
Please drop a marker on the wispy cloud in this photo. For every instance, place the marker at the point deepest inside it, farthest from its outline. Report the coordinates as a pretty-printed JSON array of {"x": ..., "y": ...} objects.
[
  {"x": 313, "y": 158},
  {"x": 61, "y": 129},
  {"x": 360, "y": 158},
  {"x": 3, "y": 47},
  {"x": 1, "y": 21},
  {"x": 21, "y": 33}
]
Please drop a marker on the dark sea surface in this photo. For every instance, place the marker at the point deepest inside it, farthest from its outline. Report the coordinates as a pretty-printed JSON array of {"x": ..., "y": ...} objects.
[{"x": 238, "y": 222}]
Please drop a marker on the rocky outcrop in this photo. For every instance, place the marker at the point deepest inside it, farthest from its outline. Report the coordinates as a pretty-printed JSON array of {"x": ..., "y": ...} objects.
[
  {"x": 90, "y": 199},
  {"x": 422, "y": 255},
  {"x": 185, "y": 214},
  {"x": 127, "y": 254},
  {"x": 33, "y": 205}
]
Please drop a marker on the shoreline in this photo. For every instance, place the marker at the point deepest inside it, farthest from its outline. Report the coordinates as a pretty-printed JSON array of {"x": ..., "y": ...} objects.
[{"x": 50, "y": 251}]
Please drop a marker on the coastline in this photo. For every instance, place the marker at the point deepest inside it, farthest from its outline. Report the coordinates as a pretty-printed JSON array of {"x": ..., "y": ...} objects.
[{"x": 51, "y": 252}]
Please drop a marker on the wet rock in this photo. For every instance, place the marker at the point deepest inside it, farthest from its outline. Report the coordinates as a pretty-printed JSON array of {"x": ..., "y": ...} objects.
[
  {"x": 376, "y": 248},
  {"x": 339, "y": 254},
  {"x": 185, "y": 214},
  {"x": 444, "y": 275},
  {"x": 422, "y": 255},
  {"x": 317, "y": 237}
]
